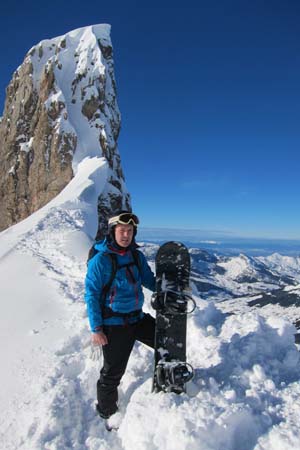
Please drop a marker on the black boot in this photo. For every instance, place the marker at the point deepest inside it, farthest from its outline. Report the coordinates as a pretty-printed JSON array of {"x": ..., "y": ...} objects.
[{"x": 105, "y": 414}]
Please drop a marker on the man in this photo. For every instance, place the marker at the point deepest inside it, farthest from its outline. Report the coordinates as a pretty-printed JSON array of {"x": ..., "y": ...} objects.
[{"x": 115, "y": 305}]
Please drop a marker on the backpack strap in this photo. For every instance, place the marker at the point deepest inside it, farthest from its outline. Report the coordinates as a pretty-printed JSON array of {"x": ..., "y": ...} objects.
[
  {"x": 114, "y": 268},
  {"x": 137, "y": 260}
]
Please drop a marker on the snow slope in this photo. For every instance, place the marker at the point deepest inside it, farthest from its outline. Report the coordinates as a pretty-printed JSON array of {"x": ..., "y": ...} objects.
[{"x": 245, "y": 393}]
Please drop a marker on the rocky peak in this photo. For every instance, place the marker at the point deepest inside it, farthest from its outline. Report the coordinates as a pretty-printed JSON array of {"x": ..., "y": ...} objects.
[{"x": 60, "y": 108}]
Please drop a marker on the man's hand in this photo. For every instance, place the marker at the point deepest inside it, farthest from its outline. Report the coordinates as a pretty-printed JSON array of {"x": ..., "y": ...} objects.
[{"x": 99, "y": 338}]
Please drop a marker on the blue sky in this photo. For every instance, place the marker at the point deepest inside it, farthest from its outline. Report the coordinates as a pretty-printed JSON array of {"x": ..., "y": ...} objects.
[{"x": 209, "y": 93}]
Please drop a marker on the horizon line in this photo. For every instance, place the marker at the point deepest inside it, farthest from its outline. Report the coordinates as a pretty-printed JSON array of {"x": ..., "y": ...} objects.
[{"x": 220, "y": 234}]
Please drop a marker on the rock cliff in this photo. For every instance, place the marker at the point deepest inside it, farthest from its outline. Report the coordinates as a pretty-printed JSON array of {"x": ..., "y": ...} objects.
[{"x": 60, "y": 107}]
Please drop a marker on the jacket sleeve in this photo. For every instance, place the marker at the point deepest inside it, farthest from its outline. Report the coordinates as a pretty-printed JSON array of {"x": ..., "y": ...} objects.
[
  {"x": 93, "y": 290},
  {"x": 148, "y": 278}
]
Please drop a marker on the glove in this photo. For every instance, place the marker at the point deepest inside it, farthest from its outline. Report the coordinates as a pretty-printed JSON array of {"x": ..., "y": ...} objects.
[{"x": 96, "y": 352}]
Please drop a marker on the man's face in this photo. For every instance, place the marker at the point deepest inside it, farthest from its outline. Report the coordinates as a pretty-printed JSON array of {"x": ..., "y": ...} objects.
[{"x": 124, "y": 235}]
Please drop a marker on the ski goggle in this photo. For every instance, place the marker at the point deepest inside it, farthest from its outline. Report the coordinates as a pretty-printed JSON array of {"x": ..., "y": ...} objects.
[{"x": 124, "y": 219}]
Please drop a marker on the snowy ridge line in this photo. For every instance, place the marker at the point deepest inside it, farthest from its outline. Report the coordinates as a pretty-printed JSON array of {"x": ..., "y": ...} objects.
[
  {"x": 102, "y": 31},
  {"x": 74, "y": 197}
]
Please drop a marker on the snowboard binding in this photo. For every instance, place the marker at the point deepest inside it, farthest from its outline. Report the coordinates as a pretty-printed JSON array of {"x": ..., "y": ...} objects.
[
  {"x": 172, "y": 376},
  {"x": 172, "y": 302}
]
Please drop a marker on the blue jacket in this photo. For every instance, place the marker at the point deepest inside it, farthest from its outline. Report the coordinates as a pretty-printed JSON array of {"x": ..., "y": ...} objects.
[{"x": 125, "y": 295}]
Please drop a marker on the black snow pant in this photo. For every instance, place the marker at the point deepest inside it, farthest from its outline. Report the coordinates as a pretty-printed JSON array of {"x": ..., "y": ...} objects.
[{"x": 116, "y": 354}]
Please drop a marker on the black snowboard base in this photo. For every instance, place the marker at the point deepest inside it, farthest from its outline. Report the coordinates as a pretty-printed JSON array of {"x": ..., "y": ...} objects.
[{"x": 171, "y": 371}]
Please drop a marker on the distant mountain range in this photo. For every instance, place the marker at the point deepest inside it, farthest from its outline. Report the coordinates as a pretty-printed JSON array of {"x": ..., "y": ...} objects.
[{"x": 240, "y": 282}]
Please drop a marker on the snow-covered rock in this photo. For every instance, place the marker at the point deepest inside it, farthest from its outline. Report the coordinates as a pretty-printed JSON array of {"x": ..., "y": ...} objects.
[{"x": 61, "y": 107}]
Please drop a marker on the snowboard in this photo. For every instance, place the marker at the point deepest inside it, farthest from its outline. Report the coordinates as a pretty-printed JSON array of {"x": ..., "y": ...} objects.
[{"x": 171, "y": 371}]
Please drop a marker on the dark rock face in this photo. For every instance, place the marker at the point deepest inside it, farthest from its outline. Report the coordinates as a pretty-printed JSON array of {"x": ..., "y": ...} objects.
[{"x": 60, "y": 103}]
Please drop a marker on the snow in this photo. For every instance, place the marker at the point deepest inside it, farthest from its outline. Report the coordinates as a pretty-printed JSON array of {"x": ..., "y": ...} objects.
[
  {"x": 26, "y": 146},
  {"x": 286, "y": 265},
  {"x": 293, "y": 289},
  {"x": 235, "y": 266},
  {"x": 245, "y": 393}
]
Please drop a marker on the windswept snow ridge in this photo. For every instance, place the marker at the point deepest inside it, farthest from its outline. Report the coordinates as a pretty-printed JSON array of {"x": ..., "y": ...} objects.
[
  {"x": 42, "y": 267},
  {"x": 245, "y": 393}
]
